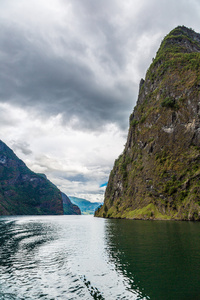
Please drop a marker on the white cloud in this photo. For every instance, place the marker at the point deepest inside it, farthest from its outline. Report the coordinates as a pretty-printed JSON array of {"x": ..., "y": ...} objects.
[
  {"x": 70, "y": 72},
  {"x": 77, "y": 161}
]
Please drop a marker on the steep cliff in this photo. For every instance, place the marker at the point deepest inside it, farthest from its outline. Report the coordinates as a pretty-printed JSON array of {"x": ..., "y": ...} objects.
[
  {"x": 157, "y": 176},
  {"x": 23, "y": 192},
  {"x": 68, "y": 207}
]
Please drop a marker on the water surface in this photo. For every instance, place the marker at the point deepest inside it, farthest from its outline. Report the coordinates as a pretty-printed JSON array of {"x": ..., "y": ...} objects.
[{"x": 82, "y": 257}]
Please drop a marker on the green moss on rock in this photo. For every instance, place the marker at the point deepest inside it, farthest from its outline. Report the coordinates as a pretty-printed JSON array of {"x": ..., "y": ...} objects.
[{"x": 157, "y": 176}]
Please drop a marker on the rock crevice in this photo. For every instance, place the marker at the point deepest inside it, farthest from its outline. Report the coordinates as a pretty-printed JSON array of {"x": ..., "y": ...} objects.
[{"x": 158, "y": 173}]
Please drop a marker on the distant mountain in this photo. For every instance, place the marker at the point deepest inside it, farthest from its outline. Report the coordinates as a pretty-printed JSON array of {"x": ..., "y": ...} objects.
[
  {"x": 68, "y": 207},
  {"x": 23, "y": 192},
  {"x": 86, "y": 207}
]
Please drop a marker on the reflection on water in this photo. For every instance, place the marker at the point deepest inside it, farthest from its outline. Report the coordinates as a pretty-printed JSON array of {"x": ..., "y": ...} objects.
[
  {"x": 61, "y": 257},
  {"x": 161, "y": 259},
  {"x": 81, "y": 257}
]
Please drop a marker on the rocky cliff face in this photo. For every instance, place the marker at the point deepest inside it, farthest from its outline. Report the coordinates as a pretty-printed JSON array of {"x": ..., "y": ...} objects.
[
  {"x": 22, "y": 192},
  {"x": 157, "y": 176},
  {"x": 69, "y": 207}
]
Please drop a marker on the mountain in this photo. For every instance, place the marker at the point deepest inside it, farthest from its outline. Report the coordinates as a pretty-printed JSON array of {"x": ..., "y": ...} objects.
[
  {"x": 23, "y": 192},
  {"x": 68, "y": 207},
  {"x": 158, "y": 174},
  {"x": 86, "y": 207}
]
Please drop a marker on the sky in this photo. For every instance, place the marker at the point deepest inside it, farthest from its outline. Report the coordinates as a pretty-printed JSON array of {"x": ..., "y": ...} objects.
[{"x": 69, "y": 79}]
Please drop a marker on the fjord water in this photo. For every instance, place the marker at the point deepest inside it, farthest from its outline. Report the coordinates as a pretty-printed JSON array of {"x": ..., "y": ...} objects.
[{"x": 82, "y": 257}]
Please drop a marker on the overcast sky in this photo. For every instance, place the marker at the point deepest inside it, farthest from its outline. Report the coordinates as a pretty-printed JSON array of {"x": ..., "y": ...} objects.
[{"x": 69, "y": 77}]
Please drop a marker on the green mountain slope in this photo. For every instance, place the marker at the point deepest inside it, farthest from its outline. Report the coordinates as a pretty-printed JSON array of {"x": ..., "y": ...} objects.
[
  {"x": 68, "y": 207},
  {"x": 158, "y": 174},
  {"x": 23, "y": 192},
  {"x": 86, "y": 207}
]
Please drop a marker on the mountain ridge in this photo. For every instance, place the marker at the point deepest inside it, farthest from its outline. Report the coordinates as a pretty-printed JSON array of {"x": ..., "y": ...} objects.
[
  {"x": 157, "y": 175},
  {"x": 23, "y": 192},
  {"x": 69, "y": 207}
]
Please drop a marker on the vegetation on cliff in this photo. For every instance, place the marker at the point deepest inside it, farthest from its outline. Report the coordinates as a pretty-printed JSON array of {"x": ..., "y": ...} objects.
[
  {"x": 157, "y": 176},
  {"x": 23, "y": 192},
  {"x": 69, "y": 207}
]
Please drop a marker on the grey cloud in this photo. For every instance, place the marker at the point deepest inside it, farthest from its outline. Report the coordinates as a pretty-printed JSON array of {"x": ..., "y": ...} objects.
[
  {"x": 78, "y": 177},
  {"x": 55, "y": 75},
  {"x": 76, "y": 65},
  {"x": 5, "y": 121},
  {"x": 99, "y": 19},
  {"x": 22, "y": 146},
  {"x": 52, "y": 84}
]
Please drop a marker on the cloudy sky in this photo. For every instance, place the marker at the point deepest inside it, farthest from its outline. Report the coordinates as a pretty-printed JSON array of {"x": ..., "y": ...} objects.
[{"x": 69, "y": 77}]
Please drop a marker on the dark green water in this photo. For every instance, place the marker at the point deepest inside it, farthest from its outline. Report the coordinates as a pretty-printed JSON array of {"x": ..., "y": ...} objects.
[
  {"x": 161, "y": 258},
  {"x": 81, "y": 257}
]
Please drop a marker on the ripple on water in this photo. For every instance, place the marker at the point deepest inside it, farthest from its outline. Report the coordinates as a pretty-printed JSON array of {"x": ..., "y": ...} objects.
[{"x": 58, "y": 258}]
